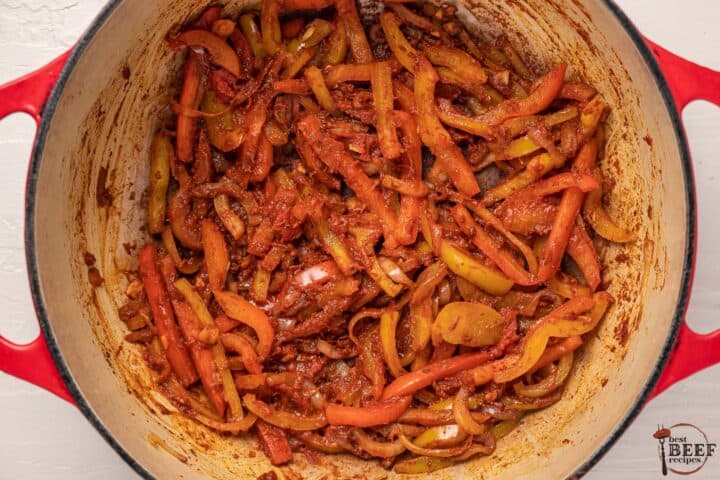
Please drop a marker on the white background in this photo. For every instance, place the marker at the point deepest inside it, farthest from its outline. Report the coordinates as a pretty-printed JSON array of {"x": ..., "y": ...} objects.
[{"x": 43, "y": 437}]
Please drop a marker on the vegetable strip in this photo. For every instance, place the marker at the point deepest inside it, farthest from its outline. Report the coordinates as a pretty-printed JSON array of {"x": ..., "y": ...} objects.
[{"x": 163, "y": 317}]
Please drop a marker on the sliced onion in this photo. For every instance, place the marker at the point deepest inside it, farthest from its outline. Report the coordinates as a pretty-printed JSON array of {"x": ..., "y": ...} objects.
[
  {"x": 550, "y": 383},
  {"x": 375, "y": 448},
  {"x": 187, "y": 267},
  {"x": 436, "y": 452},
  {"x": 394, "y": 271},
  {"x": 532, "y": 404},
  {"x": 318, "y": 442},
  {"x": 184, "y": 397},
  {"x": 316, "y": 275},
  {"x": 501, "y": 412},
  {"x": 417, "y": 465},
  {"x": 361, "y": 315},
  {"x": 330, "y": 351},
  {"x": 503, "y": 428},
  {"x": 229, "y": 427},
  {"x": 441, "y": 436},
  {"x": 392, "y": 430},
  {"x": 427, "y": 281},
  {"x": 282, "y": 378},
  {"x": 388, "y": 329},
  {"x": 280, "y": 418},
  {"x": 421, "y": 318},
  {"x": 250, "y": 382},
  {"x": 462, "y": 414},
  {"x": 232, "y": 222},
  {"x": 486, "y": 446},
  {"x": 426, "y": 417}
]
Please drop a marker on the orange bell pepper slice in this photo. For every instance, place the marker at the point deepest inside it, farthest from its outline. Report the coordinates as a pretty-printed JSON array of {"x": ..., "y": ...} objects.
[
  {"x": 237, "y": 308},
  {"x": 220, "y": 52},
  {"x": 380, "y": 413}
]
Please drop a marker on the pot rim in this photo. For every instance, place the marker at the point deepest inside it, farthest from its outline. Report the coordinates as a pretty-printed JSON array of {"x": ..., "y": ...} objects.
[{"x": 88, "y": 412}]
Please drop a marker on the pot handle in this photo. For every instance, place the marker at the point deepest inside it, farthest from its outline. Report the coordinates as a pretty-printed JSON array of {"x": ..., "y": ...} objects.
[
  {"x": 688, "y": 82},
  {"x": 32, "y": 362}
]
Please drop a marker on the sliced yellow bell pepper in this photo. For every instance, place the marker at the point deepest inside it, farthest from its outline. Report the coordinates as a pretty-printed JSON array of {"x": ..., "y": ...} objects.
[{"x": 467, "y": 266}]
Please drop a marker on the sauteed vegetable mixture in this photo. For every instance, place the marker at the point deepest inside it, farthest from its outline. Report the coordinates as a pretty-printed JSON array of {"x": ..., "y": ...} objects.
[{"x": 369, "y": 237}]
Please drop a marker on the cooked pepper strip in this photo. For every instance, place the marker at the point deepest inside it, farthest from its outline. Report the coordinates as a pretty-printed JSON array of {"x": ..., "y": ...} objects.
[
  {"x": 466, "y": 265},
  {"x": 464, "y": 123},
  {"x": 581, "y": 249},
  {"x": 315, "y": 33},
  {"x": 334, "y": 155},
  {"x": 163, "y": 317},
  {"x": 382, "y": 90},
  {"x": 538, "y": 100},
  {"x": 315, "y": 80},
  {"x": 412, "y": 18},
  {"x": 412, "y": 382},
  {"x": 401, "y": 48},
  {"x": 447, "y": 154},
  {"x": 558, "y": 323},
  {"x": 348, "y": 72},
  {"x": 535, "y": 169},
  {"x": 270, "y": 26},
  {"x": 458, "y": 61},
  {"x": 202, "y": 356},
  {"x": 564, "y": 222},
  {"x": 201, "y": 312},
  {"x": 161, "y": 156},
  {"x": 388, "y": 327},
  {"x": 359, "y": 46},
  {"x": 217, "y": 258},
  {"x": 254, "y": 122},
  {"x": 274, "y": 443},
  {"x": 224, "y": 132},
  {"x": 232, "y": 222},
  {"x": 334, "y": 244},
  {"x": 238, "y": 344},
  {"x": 280, "y": 418},
  {"x": 486, "y": 244},
  {"x": 555, "y": 184},
  {"x": 252, "y": 33},
  {"x": 337, "y": 44},
  {"x": 243, "y": 311},
  {"x": 219, "y": 51},
  {"x": 189, "y": 98},
  {"x": 380, "y": 413}
]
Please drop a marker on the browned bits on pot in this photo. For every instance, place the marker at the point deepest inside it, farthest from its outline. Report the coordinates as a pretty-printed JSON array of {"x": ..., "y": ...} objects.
[
  {"x": 140, "y": 336},
  {"x": 89, "y": 259},
  {"x": 136, "y": 323},
  {"x": 94, "y": 277},
  {"x": 129, "y": 310},
  {"x": 102, "y": 194}
]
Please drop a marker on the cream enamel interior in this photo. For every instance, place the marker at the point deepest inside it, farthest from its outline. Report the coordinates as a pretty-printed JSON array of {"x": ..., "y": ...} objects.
[{"x": 106, "y": 120}]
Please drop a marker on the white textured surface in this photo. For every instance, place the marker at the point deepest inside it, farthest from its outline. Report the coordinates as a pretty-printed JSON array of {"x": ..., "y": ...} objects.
[{"x": 42, "y": 437}]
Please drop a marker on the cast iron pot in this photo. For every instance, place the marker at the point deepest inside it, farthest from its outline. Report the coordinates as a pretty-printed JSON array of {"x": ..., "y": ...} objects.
[{"x": 97, "y": 107}]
